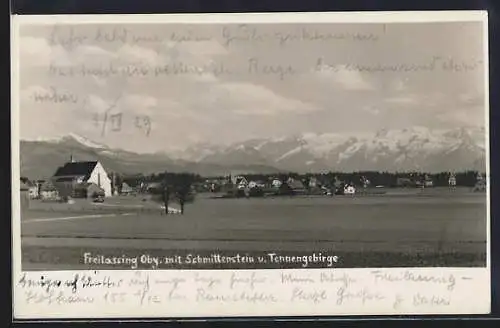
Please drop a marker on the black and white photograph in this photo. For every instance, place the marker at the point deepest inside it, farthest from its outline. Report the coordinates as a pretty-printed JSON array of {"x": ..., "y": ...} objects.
[{"x": 233, "y": 146}]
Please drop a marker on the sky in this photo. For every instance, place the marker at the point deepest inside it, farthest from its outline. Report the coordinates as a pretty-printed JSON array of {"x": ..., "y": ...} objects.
[{"x": 245, "y": 81}]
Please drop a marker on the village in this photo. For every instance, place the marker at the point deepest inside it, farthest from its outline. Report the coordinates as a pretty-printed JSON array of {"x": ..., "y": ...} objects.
[
  {"x": 90, "y": 180},
  {"x": 82, "y": 204}
]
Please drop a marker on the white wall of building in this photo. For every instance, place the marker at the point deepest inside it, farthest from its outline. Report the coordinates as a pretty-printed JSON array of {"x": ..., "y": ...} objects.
[{"x": 100, "y": 177}]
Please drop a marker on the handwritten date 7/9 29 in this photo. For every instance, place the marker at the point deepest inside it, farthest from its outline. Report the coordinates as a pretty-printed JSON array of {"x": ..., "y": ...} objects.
[{"x": 114, "y": 122}]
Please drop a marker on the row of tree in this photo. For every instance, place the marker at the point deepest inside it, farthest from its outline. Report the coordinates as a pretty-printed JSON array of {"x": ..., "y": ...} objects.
[
  {"x": 387, "y": 179},
  {"x": 178, "y": 187}
]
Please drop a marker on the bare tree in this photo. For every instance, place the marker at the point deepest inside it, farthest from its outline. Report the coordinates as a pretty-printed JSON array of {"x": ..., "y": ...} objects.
[
  {"x": 175, "y": 185},
  {"x": 166, "y": 189},
  {"x": 183, "y": 183}
]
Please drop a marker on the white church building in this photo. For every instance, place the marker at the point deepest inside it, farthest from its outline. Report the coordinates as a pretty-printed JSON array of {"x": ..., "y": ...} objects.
[{"x": 71, "y": 174}]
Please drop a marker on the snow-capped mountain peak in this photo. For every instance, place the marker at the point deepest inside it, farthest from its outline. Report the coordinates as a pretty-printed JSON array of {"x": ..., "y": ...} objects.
[
  {"x": 403, "y": 149},
  {"x": 83, "y": 141},
  {"x": 387, "y": 149}
]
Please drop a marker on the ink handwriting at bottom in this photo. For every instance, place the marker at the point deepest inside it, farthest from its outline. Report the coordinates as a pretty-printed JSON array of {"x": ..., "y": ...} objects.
[
  {"x": 411, "y": 277},
  {"x": 53, "y": 297},
  {"x": 207, "y": 280},
  {"x": 158, "y": 297},
  {"x": 141, "y": 281},
  {"x": 398, "y": 300},
  {"x": 113, "y": 297},
  {"x": 238, "y": 280},
  {"x": 299, "y": 294},
  {"x": 432, "y": 300},
  {"x": 206, "y": 295},
  {"x": 146, "y": 298},
  {"x": 363, "y": 295}
]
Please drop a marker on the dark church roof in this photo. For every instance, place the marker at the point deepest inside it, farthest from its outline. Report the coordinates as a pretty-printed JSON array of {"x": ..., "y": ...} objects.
[{"x": 76, "y": 169}]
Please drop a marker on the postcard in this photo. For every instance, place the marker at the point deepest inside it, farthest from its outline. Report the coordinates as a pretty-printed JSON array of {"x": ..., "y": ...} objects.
[{"x": 225, "y": 165}]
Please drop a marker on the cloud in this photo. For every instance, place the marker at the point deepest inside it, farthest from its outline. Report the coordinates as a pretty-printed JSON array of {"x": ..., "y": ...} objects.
[
  {"x": 84, "y": 51},
  {"x": 140, "y": 101},
  {"x": 251, "y": 99},
  {"x": 401, "y": 100},
  {"x": 35, "y": 51},
  {"x": 90, "y": 54},
  {"x": 159, "y": 109},
  {"x": 399, "y": 84},
  {"x": 200, "y": 48},
  {"x": 218, "y": 107},
  {"x": 27, "y": 94},
  {"x": 134, "y": 53},
  {"x": 461, "y": 117},
  {"x": 97, "y": 103},
  {"x": 371, "y": 110},
  {"x": 468, "y": 99},
  {"x": 346, "y": 79}
]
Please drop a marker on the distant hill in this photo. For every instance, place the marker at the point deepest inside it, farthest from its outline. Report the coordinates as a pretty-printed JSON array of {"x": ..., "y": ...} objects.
[
  {"x": 417, "y": 148},
  {"x": 40, "y": 159}
]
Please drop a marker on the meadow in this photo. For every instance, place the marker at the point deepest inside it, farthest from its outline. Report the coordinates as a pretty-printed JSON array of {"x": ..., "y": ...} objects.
[{"x": 402, "y": 227}]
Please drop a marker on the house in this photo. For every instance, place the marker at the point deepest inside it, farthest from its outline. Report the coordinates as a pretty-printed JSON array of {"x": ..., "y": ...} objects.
[
  {"x": 30, "y": 186},
  {"x": 154, "y": 187},
  {"x": 25, "y": 197},
  {"x": 365, "y": 182},
  {"x": 313, "y": 182},
  {"x": 345, "y": 189},
  {"x": 296, "y": 186},
  {"x": 428, "y": 181},
  {"x": 349, "y": 189},
  {"x": 48, "y": 191},
  {"x": 256, "y": 184},
  {"x": 452, "y": 180},
  {"x": 126, "y": 189},
  {"x": 480, "y": 183},
  {"x": 72, "y": 174},
  {"x": 239, "y": 181},
  {"x": 405, "y": 182},
  {"x": 276, "y": 183},
  {"x": 87, "y": 190},
  {"x": 32, "y": 189}
]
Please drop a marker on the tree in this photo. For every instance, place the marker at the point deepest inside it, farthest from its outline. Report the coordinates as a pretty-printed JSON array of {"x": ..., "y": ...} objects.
[
  {"x": 178, "y": 185},
  {"x": 111, "y": 177},
  {"x": 182, "y": 187},
  {"x": 119, "y": 183},
  {"x": 39, "y": 184},
  {"x": 166, "y": 189},
  {"x": 307, "y": 181},
  {"x": 166, "y": 197},
  {"x": 285, "y": 189}
]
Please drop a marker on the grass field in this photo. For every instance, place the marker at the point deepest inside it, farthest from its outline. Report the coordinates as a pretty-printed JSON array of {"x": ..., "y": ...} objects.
[{"x": 435, "y": 227}]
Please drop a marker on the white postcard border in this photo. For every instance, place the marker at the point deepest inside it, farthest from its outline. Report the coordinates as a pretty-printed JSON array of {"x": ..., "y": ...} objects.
[{"x": 477, "y": 289}]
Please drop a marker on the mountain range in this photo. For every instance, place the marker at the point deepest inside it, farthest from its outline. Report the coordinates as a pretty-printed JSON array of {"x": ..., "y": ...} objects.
[{"x": 415, "y": 148}]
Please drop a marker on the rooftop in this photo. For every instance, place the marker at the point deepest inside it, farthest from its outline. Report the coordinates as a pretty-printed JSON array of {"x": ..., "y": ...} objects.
[{"x": 76, "y": 169}]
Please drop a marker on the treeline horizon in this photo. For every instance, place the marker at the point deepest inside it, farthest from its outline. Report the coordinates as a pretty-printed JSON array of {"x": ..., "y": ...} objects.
[{"x": 383, "y": 178}]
